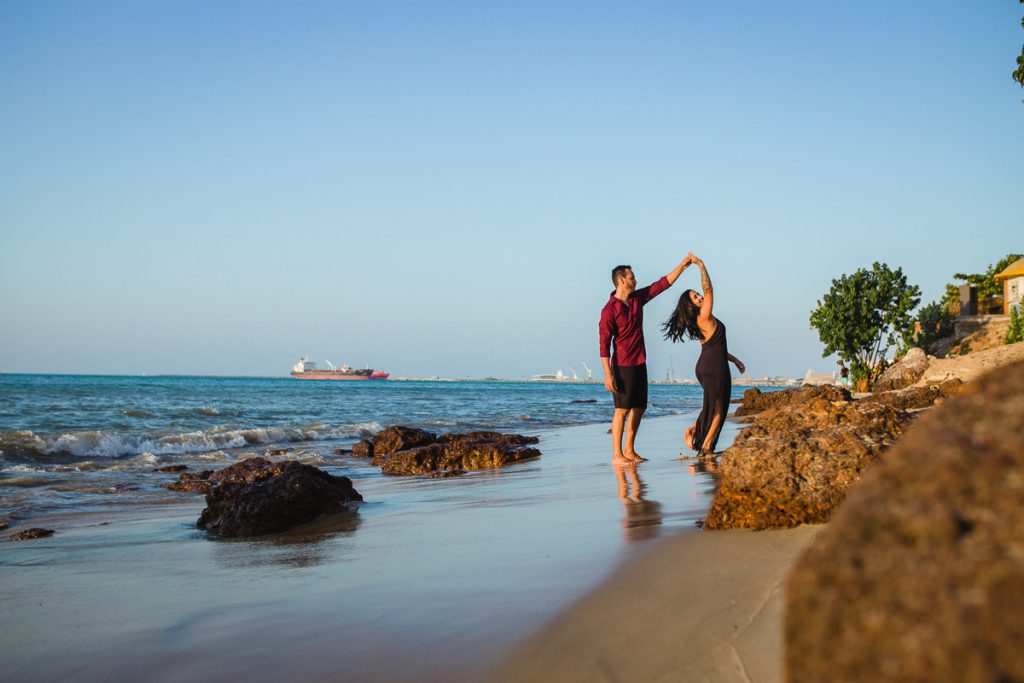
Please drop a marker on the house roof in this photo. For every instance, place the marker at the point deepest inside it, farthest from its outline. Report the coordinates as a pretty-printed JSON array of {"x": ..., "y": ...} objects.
[{"x": 1015, "y": 269}]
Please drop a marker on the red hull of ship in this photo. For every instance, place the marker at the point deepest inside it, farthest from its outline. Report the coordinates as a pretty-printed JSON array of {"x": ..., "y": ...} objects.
[{"x": 339, "y": 376}]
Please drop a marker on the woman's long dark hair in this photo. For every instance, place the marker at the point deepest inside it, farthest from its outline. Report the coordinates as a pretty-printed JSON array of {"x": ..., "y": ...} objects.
[{"x": 683, "y": 321}]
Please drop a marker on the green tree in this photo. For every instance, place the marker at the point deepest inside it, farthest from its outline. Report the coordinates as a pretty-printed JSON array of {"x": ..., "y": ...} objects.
[
  {"x": 1018, "y": 75},
  {"x": 860, "y": 316},
  {"x": 932, "y": 323},
  {"x": 985, "y": 282}
]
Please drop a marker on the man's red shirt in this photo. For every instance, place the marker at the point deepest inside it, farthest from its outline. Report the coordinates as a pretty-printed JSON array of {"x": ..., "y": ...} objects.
[{"x": 622, "y": 325}]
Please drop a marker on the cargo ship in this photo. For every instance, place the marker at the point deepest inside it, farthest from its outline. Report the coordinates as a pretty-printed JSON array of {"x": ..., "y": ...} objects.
[{"x": 306, "y": 369}]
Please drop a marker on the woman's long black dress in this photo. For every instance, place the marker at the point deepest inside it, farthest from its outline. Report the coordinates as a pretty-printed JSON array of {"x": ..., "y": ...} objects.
[{"x": 713, "y": 375}]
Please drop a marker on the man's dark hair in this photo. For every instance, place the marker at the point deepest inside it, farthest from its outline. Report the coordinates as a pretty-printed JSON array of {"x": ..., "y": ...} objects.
[{"x": 619, "y": 271}]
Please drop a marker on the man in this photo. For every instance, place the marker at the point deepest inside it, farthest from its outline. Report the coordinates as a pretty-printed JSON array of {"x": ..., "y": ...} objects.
[{"x": 624, "y": 356}]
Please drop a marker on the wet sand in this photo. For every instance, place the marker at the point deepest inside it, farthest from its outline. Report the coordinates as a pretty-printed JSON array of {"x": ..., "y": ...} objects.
[
  {"x": 432, "y": 580},
  {"x": 697, "y": 607}
]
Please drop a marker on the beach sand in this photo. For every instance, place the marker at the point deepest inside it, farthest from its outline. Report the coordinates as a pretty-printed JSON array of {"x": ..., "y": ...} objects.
[{"x": 696, "y": 607}]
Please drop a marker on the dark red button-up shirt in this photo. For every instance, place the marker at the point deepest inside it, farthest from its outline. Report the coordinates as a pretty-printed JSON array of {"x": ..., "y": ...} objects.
[{"x": 622, "y": 325}]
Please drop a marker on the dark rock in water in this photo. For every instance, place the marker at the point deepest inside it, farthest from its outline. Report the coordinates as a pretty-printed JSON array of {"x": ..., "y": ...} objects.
[
  {"x": 794, "y": 464},
  {"x": 907, "y": 371},
  {"x": 4, "y": 524},
  {"x": 584, "y": 400},
  {"x": 278, "y": 451},
  {"x": 362, "y": 449},
  {"x": 915, "y": 397},
  {"x": 454, "y": 455},
  {"x": 171, "y": 468},
  {"x": 29, "y": 534},
  {"x": 394, "y": 439},
  {"x": 496, "y": 437},
  {"x": 343, "y": 451},
  {"x": 192, "y": 482},
  {"x": 756, "y": 401},
  {"x": 920, "y": 574},
  {"x": 256, "y": 497}
]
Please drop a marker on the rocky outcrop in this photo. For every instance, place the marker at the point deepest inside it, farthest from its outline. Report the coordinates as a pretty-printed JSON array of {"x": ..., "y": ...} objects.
[
  {"x": 756, "y": 401},
  {"x": 915, "y": 398},
  {"x": 795, "y": 463},
  {"x": 907, "y": 371},
  {"x": 920, "y": 574},
  {"x": 452, "y": 454},
  {"x": 362, "y": 449},
  {"x": 30, "y": 534},
  {"x": 256, "y": 497},
  {"x": 192, "y": 482},
  {"x": 398, "y": 438}
]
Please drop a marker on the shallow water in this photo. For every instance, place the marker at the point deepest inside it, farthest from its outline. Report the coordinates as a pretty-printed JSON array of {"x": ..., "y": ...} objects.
[{"x": 431, "y": 580}]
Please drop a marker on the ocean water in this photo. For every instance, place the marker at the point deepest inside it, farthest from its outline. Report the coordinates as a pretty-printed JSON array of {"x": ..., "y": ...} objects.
[{"x": 77, "y": 442}]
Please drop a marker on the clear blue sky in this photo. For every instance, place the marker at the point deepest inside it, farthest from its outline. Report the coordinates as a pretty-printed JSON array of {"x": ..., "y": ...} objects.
[{"x": 443, "y": 188}]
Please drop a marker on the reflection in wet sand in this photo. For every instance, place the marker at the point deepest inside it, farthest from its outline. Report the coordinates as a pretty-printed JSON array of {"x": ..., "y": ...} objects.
[
  {"x": 643, "y": 517},
  {"x": 304, "y": 546}
]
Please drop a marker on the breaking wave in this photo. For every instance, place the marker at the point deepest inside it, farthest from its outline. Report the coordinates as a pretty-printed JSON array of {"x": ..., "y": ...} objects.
[{"x": 27, "y": 446}]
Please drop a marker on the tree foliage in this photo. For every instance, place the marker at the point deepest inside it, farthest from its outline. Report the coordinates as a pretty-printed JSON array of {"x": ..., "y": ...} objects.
[
  {"x": 985, "y": 282},
  {"x": 931, "y": 324},
  {"x": 861, "y": 315},
  {"x": 1018, "y": 75}
]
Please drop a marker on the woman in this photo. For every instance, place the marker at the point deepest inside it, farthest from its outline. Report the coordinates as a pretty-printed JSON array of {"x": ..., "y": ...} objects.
[{"x": 692, "y": 318}]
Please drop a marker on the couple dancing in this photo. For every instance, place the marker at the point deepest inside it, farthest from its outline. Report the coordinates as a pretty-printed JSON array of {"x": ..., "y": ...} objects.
[{"x": 625, "y": 358}]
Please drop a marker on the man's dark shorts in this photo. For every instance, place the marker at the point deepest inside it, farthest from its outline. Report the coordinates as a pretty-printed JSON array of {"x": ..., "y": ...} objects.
[{"x": 631, "y": 382}]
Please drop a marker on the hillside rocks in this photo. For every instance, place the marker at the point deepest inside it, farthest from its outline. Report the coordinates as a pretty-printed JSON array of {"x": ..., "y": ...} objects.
[
  {"x": 920, "y": 575},
  {"x": 915, "y": 398},
  {"x": 756, "y": 401},
  {"x": 455, "y": 453},
  {"x": 256, "y": 497},
  {"x": 794, "y": 464},
  {"x": 904, "y": 373}
]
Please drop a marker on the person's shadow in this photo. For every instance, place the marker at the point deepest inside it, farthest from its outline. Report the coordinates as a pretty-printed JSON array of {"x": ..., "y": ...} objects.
[{"x": 642, "y": 518}]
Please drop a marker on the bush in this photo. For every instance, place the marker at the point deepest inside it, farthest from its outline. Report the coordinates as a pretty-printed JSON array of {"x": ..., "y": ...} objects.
[
  {"x": 1015, "y": 333},
  {"x": 931, "y": 324}
]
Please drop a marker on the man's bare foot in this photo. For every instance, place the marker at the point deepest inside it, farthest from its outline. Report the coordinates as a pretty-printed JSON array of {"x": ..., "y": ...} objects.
[
  {"x": 688, "y": 435},
  {"x": 633, "y": 457}
]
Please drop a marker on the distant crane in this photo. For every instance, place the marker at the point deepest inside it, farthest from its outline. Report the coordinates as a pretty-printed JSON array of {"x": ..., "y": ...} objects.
[
  {"x": 329, "y": 364},
  {"x": 573, "y": 371},
  {"x": 590, "y": 375}
]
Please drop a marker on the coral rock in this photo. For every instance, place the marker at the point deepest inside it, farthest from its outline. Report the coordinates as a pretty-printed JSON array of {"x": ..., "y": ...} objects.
[
  {"x": 30, "y": 534},
  {"x": 908, "y": 370}
]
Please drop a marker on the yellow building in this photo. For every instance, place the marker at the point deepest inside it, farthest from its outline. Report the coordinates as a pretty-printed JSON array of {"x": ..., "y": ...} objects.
[{"x": 1013, "y": 285}]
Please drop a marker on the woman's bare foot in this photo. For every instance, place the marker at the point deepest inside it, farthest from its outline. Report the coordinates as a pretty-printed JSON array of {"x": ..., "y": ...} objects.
[
  {"x": 633, "y": 457},
  {"x": 688, "y": 435}
]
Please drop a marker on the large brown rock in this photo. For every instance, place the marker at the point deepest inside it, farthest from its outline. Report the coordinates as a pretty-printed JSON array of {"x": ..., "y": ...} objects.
[
  {"x": 795, "y": 463},
  {"x": 362, "y": 449},
  {"x": 756, "y": 401},
  {"x": 398, "y": 438},
  {"x": 257, "y": 497},
  {"x": 920, "y": 575},
  {"x": 908, "y": 370},
  {"x": 454, "y": 453}
]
